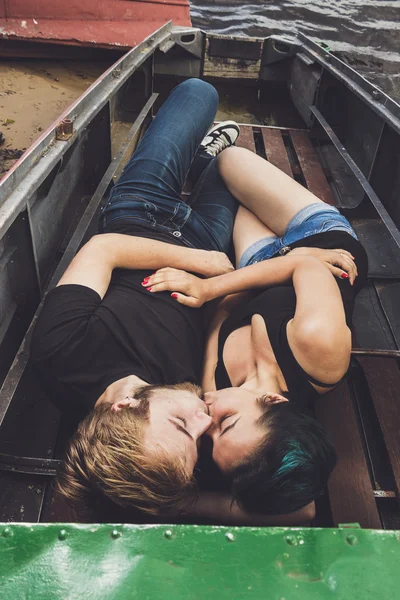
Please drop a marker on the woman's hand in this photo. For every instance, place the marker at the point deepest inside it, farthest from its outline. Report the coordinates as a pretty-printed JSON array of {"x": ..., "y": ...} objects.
[
  {"x": 188, "y": 289},
  {"x": 339, "y": 262}
]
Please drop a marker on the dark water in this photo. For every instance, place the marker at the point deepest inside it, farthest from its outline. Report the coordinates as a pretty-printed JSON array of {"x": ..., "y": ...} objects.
[{"x": 365, "y": 33}]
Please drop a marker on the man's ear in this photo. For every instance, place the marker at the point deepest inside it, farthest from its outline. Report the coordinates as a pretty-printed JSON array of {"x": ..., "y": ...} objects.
[
  {"x": 274, "y": 398},
  {"x": 127, "y": 402}
]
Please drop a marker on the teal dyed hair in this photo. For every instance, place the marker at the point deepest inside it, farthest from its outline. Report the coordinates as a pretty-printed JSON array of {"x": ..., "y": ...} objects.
[{"x": 290, "y": 466}]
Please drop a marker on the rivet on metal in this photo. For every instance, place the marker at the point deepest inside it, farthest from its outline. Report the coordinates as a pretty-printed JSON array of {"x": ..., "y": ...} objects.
[
  {"x": 230, "y": 537},
  {"x": 291, "y": 540},
  {"x": 168, "y": 534},
  {"x": 7, "y": 532},
  {"x": 62, "y": 535},
  {"x": 301, "y": 541},
  {"x": 115, "y": 534},
  {"x": 351, "y": 539}
]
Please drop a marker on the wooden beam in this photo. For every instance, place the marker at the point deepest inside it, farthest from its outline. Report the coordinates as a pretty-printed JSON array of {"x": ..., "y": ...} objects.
[
  {"x": 311, "y": 167},
  {"x": 275, "y": 150},
  {"x": 246, "y": 138},
  {"x": 383, "y": 379},
  {"x": 350, "y": 489}
]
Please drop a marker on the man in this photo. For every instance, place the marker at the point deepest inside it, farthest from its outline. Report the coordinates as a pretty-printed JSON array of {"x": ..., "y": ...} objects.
[{"x": 127, "y": 361}]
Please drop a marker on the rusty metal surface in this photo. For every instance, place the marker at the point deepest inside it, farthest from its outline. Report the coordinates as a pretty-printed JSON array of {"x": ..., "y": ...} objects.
[
  {"x": 118, "y": 24},
  {"x": 17, "y": 369},
  {"x": 311, "y": 167},
  {"x": 275, "y": 150},
  {"x": 31, "y": 170},
  {"x": 246, "y": 138}
]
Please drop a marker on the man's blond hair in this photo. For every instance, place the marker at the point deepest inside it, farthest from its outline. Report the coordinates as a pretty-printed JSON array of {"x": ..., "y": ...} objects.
[{"x": 107, "y": 457}]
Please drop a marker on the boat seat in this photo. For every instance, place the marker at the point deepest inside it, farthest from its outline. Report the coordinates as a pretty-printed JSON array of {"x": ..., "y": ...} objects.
[{"x": 362, "y": 415}]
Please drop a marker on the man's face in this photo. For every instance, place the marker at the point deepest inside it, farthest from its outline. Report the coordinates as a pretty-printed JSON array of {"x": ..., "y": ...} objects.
[{"x": 178, "y": 417}]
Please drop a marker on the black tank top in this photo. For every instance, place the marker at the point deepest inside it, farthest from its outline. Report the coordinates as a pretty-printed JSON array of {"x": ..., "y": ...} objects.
[{"x": 277, "y": 306}]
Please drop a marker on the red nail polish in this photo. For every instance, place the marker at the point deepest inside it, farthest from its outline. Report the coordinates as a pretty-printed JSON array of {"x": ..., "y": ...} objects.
[
  {"x": 174, "y": 296},
  {"x": 148, "y": 289},
  {"x": 145, "y": 280},
  {"x": 344, "y": 276}
]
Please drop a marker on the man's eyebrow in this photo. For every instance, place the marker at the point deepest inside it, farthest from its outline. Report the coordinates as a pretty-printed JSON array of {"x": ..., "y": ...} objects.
[
  {"x": 180, "y": 428},
  {"x": 230, "y": 426}
]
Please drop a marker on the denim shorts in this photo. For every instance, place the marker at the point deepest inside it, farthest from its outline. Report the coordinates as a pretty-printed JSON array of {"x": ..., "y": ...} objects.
[{"x": 310, "y": 220}]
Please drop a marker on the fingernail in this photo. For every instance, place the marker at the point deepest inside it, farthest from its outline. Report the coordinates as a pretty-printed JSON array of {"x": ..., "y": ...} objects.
[
  {"x": 174, "y": 296},
  {"x": 145, "y": 280},
  {"x": 148, "y": 289},
  {"x": 344, "y": 276}
]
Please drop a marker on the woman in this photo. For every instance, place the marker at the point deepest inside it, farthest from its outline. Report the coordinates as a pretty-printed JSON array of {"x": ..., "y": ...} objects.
[{"x": 286, "y": 344}]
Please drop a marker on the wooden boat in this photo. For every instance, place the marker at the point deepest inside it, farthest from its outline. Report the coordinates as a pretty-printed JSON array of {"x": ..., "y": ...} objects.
[
  {"x": 335, "y": 133},
  {"x": 53, "y": 28}
]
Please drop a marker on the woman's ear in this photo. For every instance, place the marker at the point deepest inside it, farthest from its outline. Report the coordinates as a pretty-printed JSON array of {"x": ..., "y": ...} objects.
[{"x": 127, "y": 402}]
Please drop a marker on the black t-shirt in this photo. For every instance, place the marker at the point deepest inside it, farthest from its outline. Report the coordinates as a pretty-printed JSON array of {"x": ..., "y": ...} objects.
[
  {"x": 82, "y": 344},
  {"x": 277, "y": 306}
]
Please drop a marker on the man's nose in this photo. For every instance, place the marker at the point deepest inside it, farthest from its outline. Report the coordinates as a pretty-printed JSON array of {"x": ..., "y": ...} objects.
[{"x": 204, "y": 421}]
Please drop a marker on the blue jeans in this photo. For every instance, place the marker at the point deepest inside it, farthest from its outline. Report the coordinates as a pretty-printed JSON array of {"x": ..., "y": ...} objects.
[
  {"x": 312, "y": 219},
  {"x": 148, "y": 192}
]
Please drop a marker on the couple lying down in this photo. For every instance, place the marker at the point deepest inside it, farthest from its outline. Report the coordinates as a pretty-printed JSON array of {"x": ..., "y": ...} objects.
[{"x": 120, "y": 344}]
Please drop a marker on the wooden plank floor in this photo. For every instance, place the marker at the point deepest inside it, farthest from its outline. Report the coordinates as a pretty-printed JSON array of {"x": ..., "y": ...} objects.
[
  {"x": 352, "y": 490},
  {"x": 290, "y": 150}
]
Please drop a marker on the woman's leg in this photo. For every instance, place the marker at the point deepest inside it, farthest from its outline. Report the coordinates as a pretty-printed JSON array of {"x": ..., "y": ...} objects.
[
  {"x": 274, "y": 197},
  {"x": 247, "y": 230}
]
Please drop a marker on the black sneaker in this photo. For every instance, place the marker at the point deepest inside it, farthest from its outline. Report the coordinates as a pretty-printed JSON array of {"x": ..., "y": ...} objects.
[{"x": 219, "y": 137}]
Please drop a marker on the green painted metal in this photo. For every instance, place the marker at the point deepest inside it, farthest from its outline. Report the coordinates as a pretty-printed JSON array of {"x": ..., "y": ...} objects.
[{"x": 120, "y": 562}]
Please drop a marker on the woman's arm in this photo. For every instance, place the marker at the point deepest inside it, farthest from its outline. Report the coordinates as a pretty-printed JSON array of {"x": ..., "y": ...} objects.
[
  {"x": 222, "y": 311},
  {"x": 318, "y": 334},
  {"x": 95, "y": 262},
  {"x": 218, "y": 508},
  {"x": 193, "y": 292}
]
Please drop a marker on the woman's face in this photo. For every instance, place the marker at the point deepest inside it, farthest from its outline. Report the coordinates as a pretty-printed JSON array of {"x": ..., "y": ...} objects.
[{"x": 234, "y": 431}]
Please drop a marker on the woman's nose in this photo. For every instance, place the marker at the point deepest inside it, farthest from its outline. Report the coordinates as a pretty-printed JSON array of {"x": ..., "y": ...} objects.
[
  {"x": 203, "y": 422},
  {"x": 208, "y": 398}
]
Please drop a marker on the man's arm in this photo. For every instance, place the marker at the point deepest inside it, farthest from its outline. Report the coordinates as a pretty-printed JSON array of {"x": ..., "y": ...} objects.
[{"x": 95, "y": 262}]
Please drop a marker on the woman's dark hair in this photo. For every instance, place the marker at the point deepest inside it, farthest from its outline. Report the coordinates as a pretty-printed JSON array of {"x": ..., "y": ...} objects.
[{"x": 290, "y": 466}]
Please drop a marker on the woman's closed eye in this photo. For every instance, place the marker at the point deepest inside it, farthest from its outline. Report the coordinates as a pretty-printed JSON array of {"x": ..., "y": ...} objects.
[{"x": 225, "y": 418}]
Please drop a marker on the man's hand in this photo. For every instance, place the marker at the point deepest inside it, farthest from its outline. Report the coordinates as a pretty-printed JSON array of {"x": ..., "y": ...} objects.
[
  {"x": 187, "y": 289},
  {"x": 215, "y": 263},
  {"x": 339, "y": 262}
]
